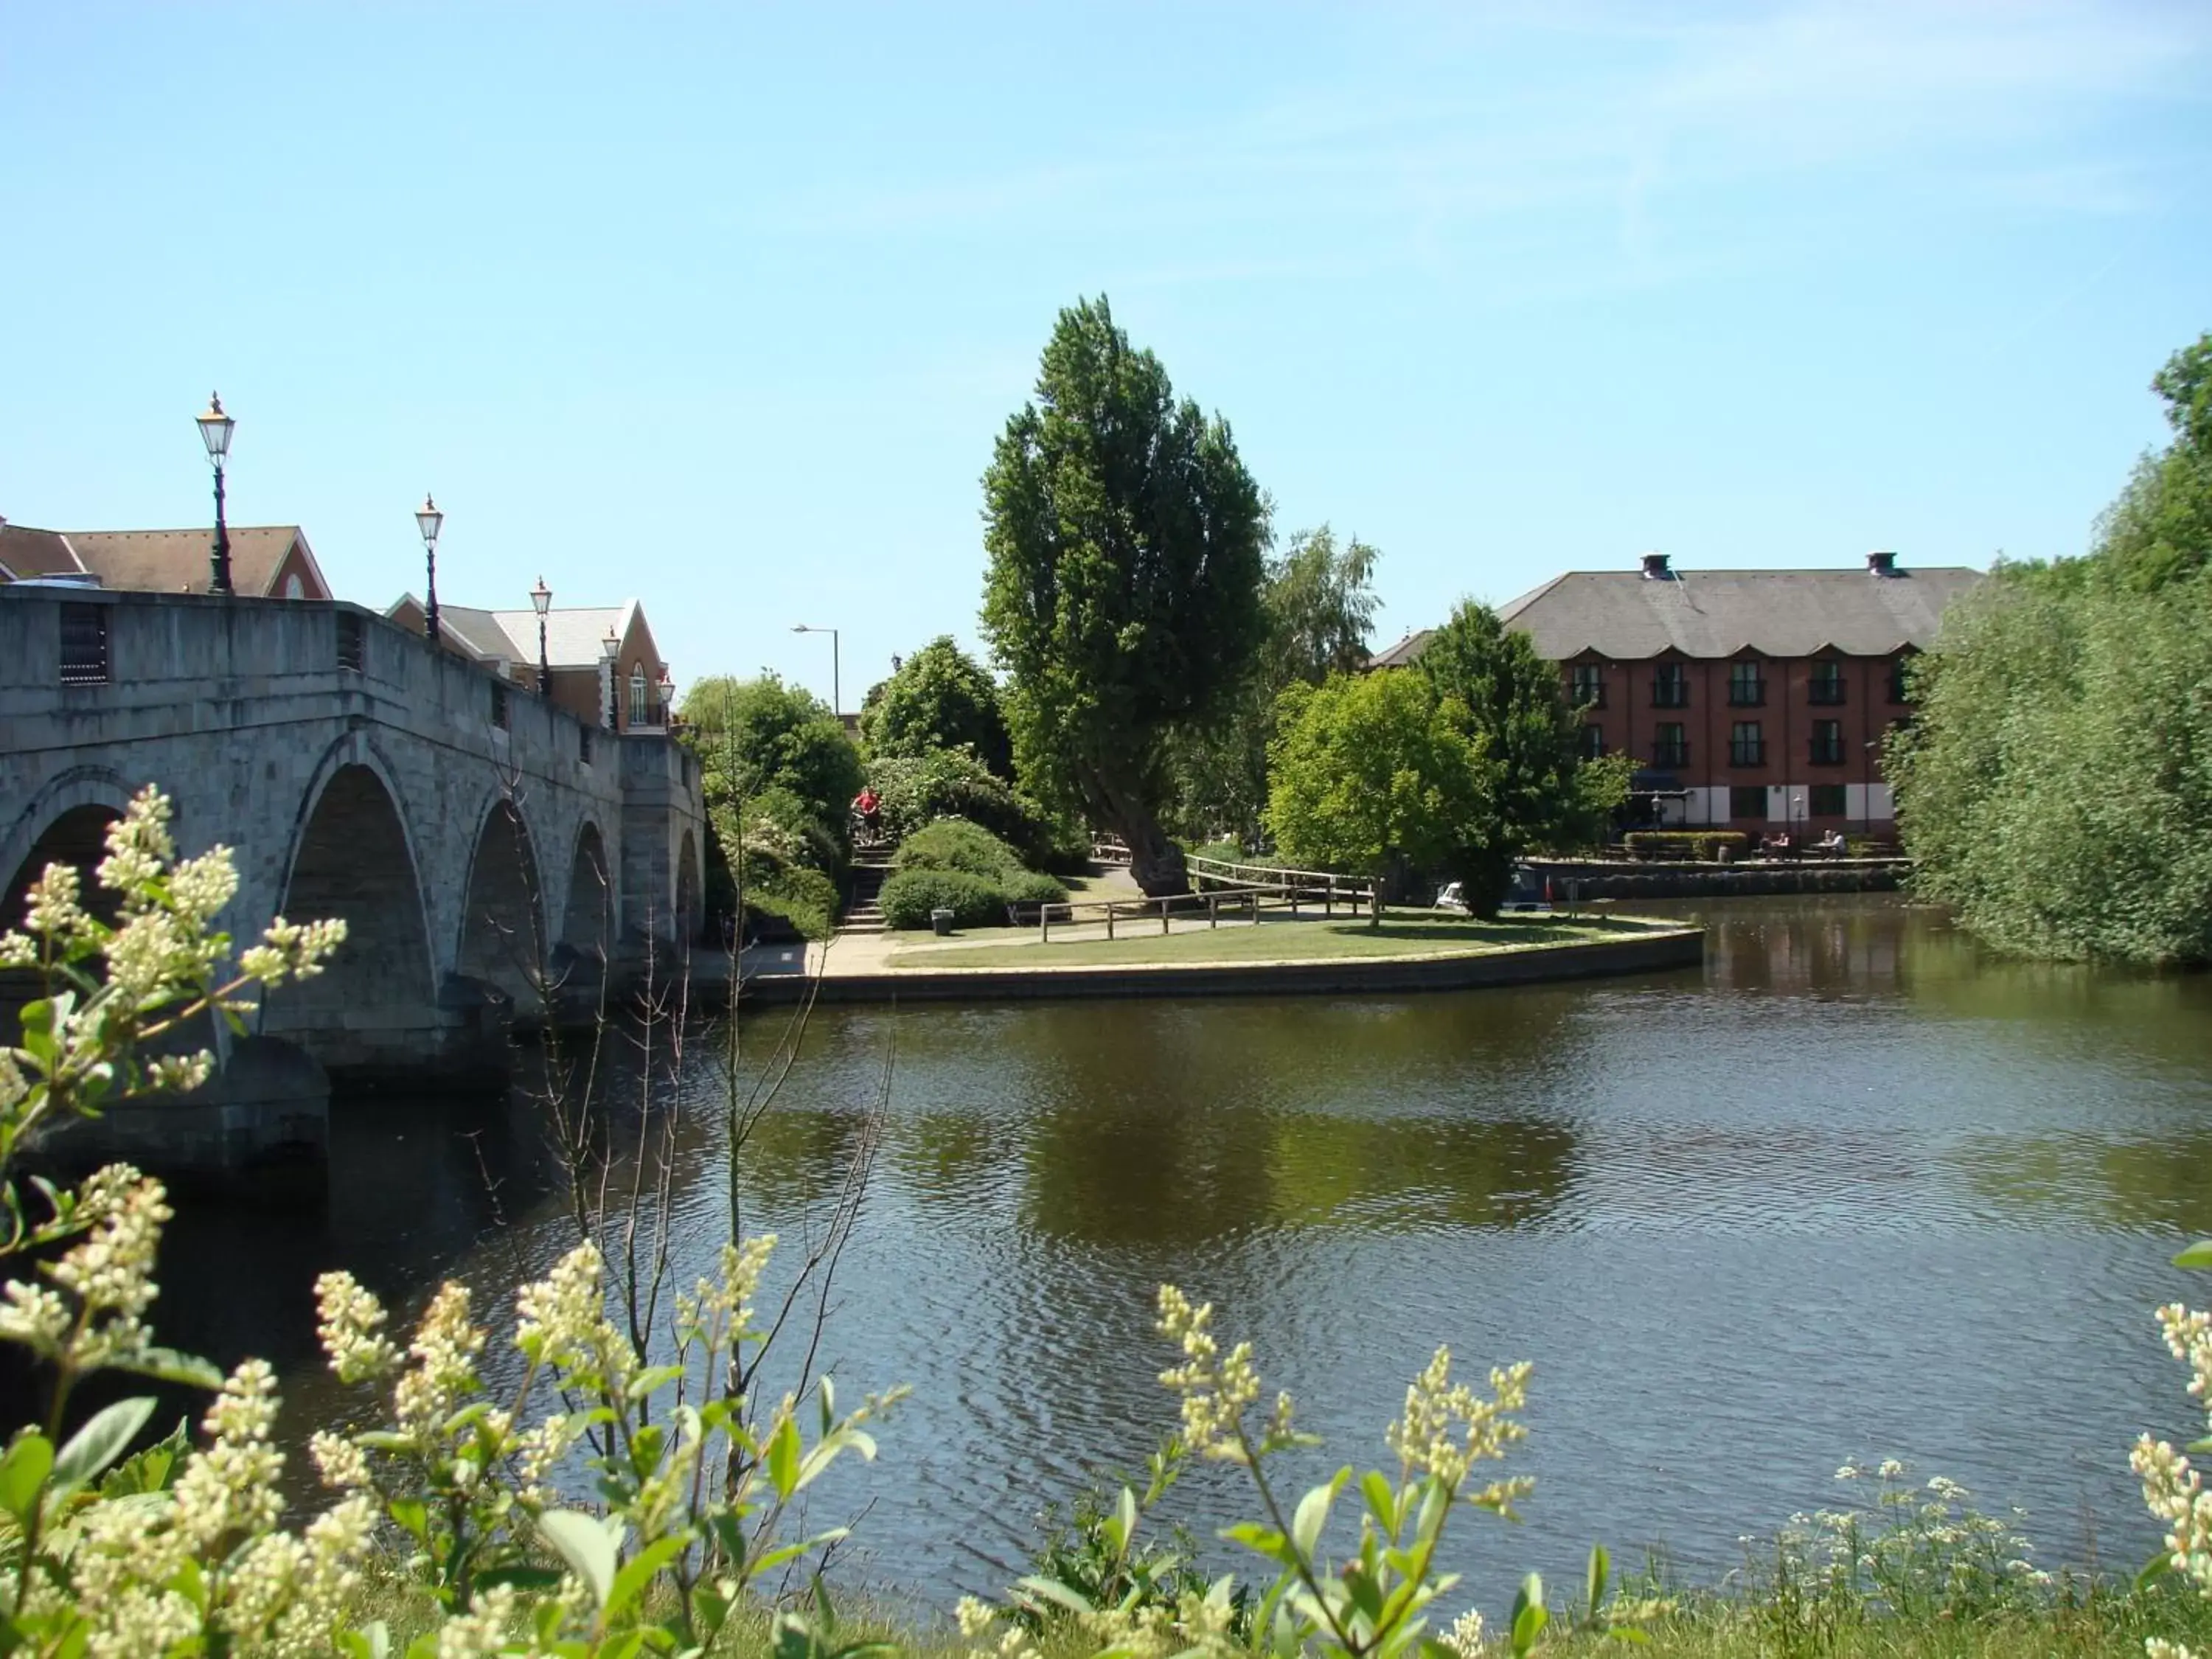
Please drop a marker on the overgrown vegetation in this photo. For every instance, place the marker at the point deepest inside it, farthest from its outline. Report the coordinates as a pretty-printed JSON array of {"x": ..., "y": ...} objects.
[
  {"x": 2055, "y": 788},
  {"x": 959, "y": 866},
  {"x": 950, "y": 783},
  {"x": 778, "y": 775},
  {"x": 940, "y": 699}
]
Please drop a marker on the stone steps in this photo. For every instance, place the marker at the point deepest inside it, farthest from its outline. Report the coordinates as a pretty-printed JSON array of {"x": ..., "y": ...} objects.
[{"x": 863, "y": 914}]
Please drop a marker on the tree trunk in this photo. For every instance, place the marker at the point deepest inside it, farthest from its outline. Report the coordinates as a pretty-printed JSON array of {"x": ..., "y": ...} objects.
[{"x": 1156, "y": 864}]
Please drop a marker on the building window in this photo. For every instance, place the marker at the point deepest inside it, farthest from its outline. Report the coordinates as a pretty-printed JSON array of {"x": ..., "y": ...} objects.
[
  {"x": 1748, "y": 801},
  {"x": 1827, "y": 742},
  {"x": 1896, "y": 687},
  {"x": 498, "y": 704},
  {"x": 1747, "y": 744},
  {"x": 1828, "y": 800},
  {"x": 1670, "y": 686},
  {"x": 84, "y": 644},
  {"x": 1588, "y": 679},
  {"x": 583, "y": 742},
  {"x": 1827, "y": 689},
  {"x": 1593, "y": 742},
  {"x": 293, "y": 588},
  {"x": 1670, "y": 749},
  {"x": 353, "y": 641},
  {"x": 1746, "y": 688},
  {"x": 638, "y": 715}
]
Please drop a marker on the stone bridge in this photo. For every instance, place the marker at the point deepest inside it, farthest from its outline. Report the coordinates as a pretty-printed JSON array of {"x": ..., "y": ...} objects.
[{"x": 480, "y": 843}]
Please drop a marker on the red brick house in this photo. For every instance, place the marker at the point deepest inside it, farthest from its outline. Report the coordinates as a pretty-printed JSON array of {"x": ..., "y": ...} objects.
[
  {"x": 267, "y": 561},
  {"x": 605, "y": 666},
  {"x": 1750, "y": 699}
]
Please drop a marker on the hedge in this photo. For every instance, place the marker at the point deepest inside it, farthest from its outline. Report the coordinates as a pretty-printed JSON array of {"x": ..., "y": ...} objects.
[
  {"x": 957, "y": 844},
  {"x": 1704, "y": 844},
  {"x": 908, "y": 896}
]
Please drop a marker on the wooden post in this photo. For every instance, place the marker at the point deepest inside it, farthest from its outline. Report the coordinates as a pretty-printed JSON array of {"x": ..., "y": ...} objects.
[
  {"x": 1213, "y": 909},
  {"x": 1375, "y": 908},
  {"x": 1163, "y": 916},
  {"x": 1044, "y": 923},
  {"x": 1109, "y": 921}
]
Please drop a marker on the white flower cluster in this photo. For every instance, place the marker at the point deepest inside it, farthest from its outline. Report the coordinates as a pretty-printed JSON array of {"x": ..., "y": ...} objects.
[
  {"x": 1216, "y": 1390},
  {"x": 1447, "y": 1428},
  {"x": 291, "y": 950},
  {"x": 561, "y": 1320},
  {"x": 445, "y": 1351},
  {"x": 1465, "y": 1638},
  {"x": 350, "y": 1321},
  {"x": 108, "y": 1275}
]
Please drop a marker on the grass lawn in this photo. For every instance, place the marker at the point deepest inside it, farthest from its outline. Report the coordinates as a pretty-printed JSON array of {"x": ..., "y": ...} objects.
[{"x": 1408, "y": 933}]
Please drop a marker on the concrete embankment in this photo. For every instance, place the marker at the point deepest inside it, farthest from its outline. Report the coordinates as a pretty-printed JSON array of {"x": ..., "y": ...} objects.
[
  {"x": 1584, "y": 880},
  {"x": 1659, "y": 949}
]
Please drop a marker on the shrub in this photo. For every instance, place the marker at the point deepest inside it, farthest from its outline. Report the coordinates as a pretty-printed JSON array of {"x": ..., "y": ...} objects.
[
  {"x": 909, "y": 896},
  {"x": 1030, "y": 887},
  {"x": 804, "y": 901},
  {"x": 916, "y": 791},
  {"x": 955, "y": 844},
  {"x": 1704, "y": 844}
]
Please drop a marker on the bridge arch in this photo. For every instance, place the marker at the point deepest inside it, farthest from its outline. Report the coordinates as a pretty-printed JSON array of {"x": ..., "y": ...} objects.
[
  {"x": 503, "y": 940},
  {"x": 587, "y": 922},
  {"x": 353, "y": 857},
  {"x": 65, "y": 823}
]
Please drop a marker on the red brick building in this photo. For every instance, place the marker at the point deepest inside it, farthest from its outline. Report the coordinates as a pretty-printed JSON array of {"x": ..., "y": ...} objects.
[
  {"x": 1750, "y": 699},
  {"x": 268, "y": 561}
]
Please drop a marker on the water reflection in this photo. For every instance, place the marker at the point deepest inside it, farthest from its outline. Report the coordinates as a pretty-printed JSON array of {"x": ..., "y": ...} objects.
[{"x": 1855, "y": 1190}]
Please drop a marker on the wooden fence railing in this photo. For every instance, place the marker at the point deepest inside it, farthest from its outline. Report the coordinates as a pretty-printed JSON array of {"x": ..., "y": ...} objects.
[{"x": 1282, "y": 890}]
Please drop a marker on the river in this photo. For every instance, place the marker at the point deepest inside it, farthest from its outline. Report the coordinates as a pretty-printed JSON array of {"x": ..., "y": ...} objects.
[{"x": 1855, "y": 1191}]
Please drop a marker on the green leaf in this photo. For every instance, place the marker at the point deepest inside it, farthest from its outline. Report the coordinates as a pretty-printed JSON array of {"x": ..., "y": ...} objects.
[
  {"x": 2198, "y": 1254},
  {"x": 1600, "y": 1568},
  {"x": 168, "y": 1366},
  {"x": 653, "y": 1377},
  {"x": 638, "y": 1571},
  {"x": 23, "y": 1472},
  {"x": 1262, "y": 1540},
  {"x": 1381, "y": 1500},
  {"x": 708, "y": 1612},
  {"x": 101, "y": 1442},
  {"x": 783, "y": 1458},
  {"x": 1530, "y": 1615},
  {"x": 1313, "y": 1513},
  {"x": 412, "y": 1516},
  {"x": 1627, "y": 1633},
  {"x": 2154, "y": 1570},
  {"x": 1121, "y": 1525},
  {"x": 1051, "y": 1589},
  {"x": 585, "y": 1544}
]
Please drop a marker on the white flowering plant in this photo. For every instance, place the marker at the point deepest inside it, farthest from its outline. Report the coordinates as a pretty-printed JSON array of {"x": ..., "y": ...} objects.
[
  {"x": 1374, "y": 1601},
  {"x": 695, "y": 1494},
  {"x": 2173, "y": 1487}
]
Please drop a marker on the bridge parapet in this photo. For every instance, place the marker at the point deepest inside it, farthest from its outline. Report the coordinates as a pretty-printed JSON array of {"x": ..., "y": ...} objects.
[{"x": 465, "y": 826}]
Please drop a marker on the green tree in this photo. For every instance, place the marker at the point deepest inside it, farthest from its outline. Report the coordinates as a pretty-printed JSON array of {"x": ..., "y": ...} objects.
[
  {"x": 1513, "y": 704},
  {"x": 755, "y": 735},
  {"x": 940, "y": 698},
  {"x": 1376, "y": 775},
  {"x": 2056, "y": 785},
  {"x": 1319, "y": 606},
  {"x": 1127, "y": 543}
]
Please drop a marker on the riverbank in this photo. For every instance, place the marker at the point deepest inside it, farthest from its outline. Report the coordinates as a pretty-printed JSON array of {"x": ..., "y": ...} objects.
[
  {"x": 1410, "y": 951},
  {"x": 1585, "y": 879}
]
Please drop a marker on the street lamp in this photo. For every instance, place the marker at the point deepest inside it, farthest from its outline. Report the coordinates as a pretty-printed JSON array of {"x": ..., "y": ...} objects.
[
  {"x": 216, "y": 428},
  {"x": 836, "y": 706},
  {"x": 667, "y": 686},
  {"x": 541, "y": 597},
  {"x": 430, "y": 521}
]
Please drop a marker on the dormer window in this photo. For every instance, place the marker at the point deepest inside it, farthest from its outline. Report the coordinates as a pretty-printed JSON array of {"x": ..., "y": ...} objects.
[
  {"x": 639, "y": 713},
  {"x": 1588, "y": 679},
  {"x": 1827, "y": 688}
]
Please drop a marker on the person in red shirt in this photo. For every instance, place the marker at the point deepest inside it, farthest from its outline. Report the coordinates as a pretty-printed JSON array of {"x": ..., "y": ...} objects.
[{"x": 867, "y": 803}]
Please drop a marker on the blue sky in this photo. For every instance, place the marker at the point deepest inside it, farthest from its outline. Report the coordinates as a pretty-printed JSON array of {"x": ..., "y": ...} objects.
[{"x": 722, "y": 308}]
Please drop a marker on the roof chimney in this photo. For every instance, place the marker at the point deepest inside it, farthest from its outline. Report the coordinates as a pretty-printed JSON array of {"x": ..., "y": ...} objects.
[
  {"x": 1654, "y": 568},
  {"x": 1882, "y": 564}
]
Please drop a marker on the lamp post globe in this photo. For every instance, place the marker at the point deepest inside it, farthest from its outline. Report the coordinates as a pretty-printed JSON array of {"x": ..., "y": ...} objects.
[
  {"x": 541, "y": 599},
  {"x": 216, "y": 428},
  {"x": 836, "y": 701},
  {"x": 429, "y": 521}
]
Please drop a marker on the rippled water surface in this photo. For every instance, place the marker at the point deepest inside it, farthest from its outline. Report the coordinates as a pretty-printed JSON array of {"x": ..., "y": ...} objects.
[{"x": 1852, "y": 1192}]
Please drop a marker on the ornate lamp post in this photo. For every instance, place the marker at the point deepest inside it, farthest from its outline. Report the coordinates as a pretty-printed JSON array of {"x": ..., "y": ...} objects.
[
  {"x": 430, "y": 521},
  {"x": 541, "y": 597},
  {"x": 836, "y": 706},
  {"x": 610, "y": 649},
  {"x": 216, "y": 428},
  {"x": 667, "y": 686}
]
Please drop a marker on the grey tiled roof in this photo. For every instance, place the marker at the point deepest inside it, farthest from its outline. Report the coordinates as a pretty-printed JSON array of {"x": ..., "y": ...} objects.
[{"x": 1717, "y": 613}]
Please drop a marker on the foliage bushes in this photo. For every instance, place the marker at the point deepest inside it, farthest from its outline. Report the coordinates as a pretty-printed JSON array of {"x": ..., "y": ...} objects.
[
  {"x": 915, "y": 790},
  {"x": 1706, "y": 844},
  {"x": 908, "y": 896},
  {"x": 981, "y": 876}
]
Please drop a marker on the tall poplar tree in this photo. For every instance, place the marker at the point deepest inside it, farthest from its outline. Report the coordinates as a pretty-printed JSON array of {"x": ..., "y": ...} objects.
[{"x": 1126, "y": 544}]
